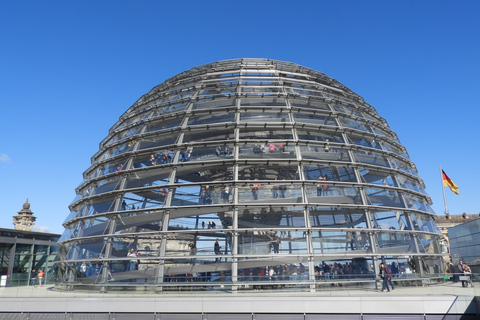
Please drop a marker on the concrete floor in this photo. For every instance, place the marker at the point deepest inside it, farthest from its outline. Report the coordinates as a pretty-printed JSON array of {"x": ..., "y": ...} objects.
[{"x": 436, "y": 299}]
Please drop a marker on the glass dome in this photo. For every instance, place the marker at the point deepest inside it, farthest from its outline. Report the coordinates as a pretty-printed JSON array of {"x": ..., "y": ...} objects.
[{"x": 248, "y": 171}]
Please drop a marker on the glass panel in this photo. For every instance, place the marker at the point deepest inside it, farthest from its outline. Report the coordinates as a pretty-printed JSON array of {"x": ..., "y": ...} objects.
[
  {"x": 274, "y": 272},
  {"x": 115, "y": 166},
  {"x": 365, "y": 142},
  {"x": 397, "y": 150},
  {"x": 266, "y": 133},
  {"x": 264, "y": 193},
  {"x": 273, "y": 150},
  {"x": 264, "y": 116},
  {"x": 407, "y": 182},
  {"x": 404, "y": 166},
  {"x": 196, "y": 195},
  {"x": 429, "y": 244},
  {"x": 261, "y": 91},
  {"x": 328, "y": 151},
  {"x": 145, "y": 198},
  {"x": 124, "y": 134},
  {"x": 92, "y": 227},
  {"x": 198, "y": 153},
  {"x": 87, "y": 249},
  {"x": 325, "y": 193},
  {"x": 386, "y": 133},
  {"x": 371, "y": 158},
  {"x": 349, "y": 123},
  {"x": 156, "y": 177},
  {"x": 271, "y": 217},
  {"x": 265, "y": 101},
  {"x": 122, "y": 148},
  {"x": 417, "y": 202},
  {"x": 72, "y": 215},
  {"x": 377, "y": 177},
  {"x": 179, "y": 245},
  {"x": 311, "y": 104},
  {"x": 106, "y": 185},
  {"x": 393, "y": 220},
  {"x": 302, "y": 93},
  {"x": 272, "y": 172},
  {"x": 159, "y": 140},
  {"x": 217, "y": 103},
  {"x": 332, "y": 173},
  {"x": 393, "y": 242},
  {"x": 211, "y": 118},
  {"x": 163, "y": 124},
  {"x": 334, "y": 217},
  {"x": 424, "y": 223},
  {"x": 337, "y": 241},
  {"x": 202, "y": 219},
  {"x": 313, "y": 118},
  {"x": 213, "y": 134},
  {"x": 348, "y": 110},
  {"x": 350, "y": 269},
  {"x": 279, "y": 242},
  {"x": 381, "y": 197},
  {"x": 173, "y": 272},
  {"x": 316, "y": 135},
  {"x": 208, "y": 172}
]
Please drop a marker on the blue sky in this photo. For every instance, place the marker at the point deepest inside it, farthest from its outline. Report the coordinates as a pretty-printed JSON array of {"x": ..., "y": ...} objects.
[{"x": 69, "y": 69}]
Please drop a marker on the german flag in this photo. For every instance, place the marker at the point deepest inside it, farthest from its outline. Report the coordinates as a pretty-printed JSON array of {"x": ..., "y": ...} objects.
[{"x": 447, "y": 182}]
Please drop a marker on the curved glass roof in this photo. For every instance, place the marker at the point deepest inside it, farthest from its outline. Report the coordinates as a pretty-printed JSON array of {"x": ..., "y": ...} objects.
[{"x": 241, "y": 168}]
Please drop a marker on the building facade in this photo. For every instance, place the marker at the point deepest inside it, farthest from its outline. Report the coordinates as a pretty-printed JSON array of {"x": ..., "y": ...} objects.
[
  {"x": 24, "y": 251},
  {"x": 465, "y": 244},
  {"x": 248, "y": 170}
]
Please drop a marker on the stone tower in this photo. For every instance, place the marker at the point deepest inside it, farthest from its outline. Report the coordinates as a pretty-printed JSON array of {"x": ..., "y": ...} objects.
[{"x": 24, "y": 220}]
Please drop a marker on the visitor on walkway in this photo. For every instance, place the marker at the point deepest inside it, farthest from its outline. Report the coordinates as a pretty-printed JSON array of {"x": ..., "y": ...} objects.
[{"x": 33, "y": 277}]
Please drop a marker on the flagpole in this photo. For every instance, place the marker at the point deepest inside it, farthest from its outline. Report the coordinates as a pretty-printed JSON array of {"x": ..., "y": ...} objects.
[{"x": 443, "y": 189}]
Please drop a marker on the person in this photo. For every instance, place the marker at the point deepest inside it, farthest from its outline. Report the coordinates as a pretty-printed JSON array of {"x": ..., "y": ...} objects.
[
  {"x": 83, "y": 267},
  {"x": 348, "y": 241},
  {"x": 153, "y": 159},
  {"x": 193, "y": 252},
  {"x": 226, "y": 194},
  {"x": 389, "y": 272},
  {"x": 208, "y": 195},
  {"x": 327, "y": 146},
  {"x": 137, "y": 266},
  {"x": 468, "y": 273},
  {"x": 41, "y": 274},
  {"x": 384, "y": 276},
  {"x": 282, "y": 188},
  {"x": 202, "y": 195},
  {"x": 33, "y": 277},
  {"x": 461, "y": 270},
  {"x": 319, "y": 186},
  {"x": 276, "y": 244},
  {"x": 255, "y": 190},
  {"x": 324, "y": 187},
  {"x": 187, "y": 155},
  {"x": 216, "y": 249},
  {"x": 275, "y": 190},
  {"x": 133, "y": 262}
]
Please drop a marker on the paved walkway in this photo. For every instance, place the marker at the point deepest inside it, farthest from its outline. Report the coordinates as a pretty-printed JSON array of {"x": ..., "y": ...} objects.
[{"x": 448, "y": 289}]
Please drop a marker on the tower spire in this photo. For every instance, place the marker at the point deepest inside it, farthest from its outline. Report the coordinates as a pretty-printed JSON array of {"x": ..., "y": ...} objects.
[{"x": 24, "y": 220}]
